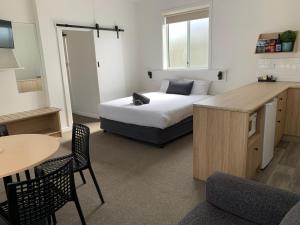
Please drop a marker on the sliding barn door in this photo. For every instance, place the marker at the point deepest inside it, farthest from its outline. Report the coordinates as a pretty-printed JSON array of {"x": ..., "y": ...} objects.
[
  {"x": 82, "y": 72},
  {"x": 111, "y": 68}
]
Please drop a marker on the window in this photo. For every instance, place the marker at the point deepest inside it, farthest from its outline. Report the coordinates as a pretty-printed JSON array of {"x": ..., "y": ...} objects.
[{"x": 187, "y": 40}]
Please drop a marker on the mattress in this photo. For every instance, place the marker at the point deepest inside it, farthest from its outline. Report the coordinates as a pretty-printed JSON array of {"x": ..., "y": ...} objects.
[{"x": 163, "y": 111}]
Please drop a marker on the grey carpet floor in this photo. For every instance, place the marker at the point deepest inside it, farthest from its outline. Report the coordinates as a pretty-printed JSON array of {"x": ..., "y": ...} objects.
[{"x": 145, "y": 185}]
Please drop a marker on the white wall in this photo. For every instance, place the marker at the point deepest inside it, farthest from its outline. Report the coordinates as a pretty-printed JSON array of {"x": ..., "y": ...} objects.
[
  {"x": 236, "y": 25},
  {"x": 85, "y": 12},
  {"x": 11, "y": 100},
  {"x": 83, "y": 78}
]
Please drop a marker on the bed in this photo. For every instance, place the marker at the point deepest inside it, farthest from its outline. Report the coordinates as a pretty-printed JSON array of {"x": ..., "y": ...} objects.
[{"x": 167, "y": 117}]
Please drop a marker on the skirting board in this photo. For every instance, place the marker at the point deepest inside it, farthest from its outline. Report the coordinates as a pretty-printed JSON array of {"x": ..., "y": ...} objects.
[
  {"x": 69, "y": 128},
  {"x": 66, "y": 129},
  {"x": 91, "y": 115},
  {"x": 293, "y": 139}
]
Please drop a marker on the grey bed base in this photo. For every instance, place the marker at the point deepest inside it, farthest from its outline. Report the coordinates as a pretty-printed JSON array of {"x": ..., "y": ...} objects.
[{"x": 149, "y": 135}]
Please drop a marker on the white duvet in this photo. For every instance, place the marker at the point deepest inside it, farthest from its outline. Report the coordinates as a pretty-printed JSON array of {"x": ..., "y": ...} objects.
[{"x": 163, "y": 111}]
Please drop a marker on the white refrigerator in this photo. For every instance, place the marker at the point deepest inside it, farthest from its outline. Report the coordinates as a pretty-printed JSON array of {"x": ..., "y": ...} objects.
[{"x": 269, "y": 132}]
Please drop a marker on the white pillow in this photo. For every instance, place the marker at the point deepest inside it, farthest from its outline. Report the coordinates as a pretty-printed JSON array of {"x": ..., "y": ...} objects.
[
  {"x": 164, "y": 85},
  {"x": 201, "y": 87}
]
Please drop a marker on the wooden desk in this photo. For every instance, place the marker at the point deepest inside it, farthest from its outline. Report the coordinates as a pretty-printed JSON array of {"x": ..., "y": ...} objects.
[
  {"x": 221, "y": 125},
  {"x": 40, "y": 121},
  {"x": 22, "y": 152}
]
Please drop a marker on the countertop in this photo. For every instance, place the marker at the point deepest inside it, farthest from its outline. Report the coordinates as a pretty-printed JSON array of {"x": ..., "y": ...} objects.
[{"x": 247, "y": 98}]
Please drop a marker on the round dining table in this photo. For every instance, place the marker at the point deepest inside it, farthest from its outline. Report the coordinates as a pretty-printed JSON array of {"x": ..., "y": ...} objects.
[{"x": 19, "y": 153}]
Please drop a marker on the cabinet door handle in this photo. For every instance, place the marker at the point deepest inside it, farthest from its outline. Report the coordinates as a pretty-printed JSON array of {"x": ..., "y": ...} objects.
[
  {"x": 256, "y": 149},
  {"x": 278, "y": 121},
  {"x": 281, "y": 99},
  {"x": 280, "y": 110}
]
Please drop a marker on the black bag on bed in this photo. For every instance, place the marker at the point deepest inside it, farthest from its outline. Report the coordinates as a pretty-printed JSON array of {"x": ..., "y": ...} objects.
[{"x": 139, "y": 99}]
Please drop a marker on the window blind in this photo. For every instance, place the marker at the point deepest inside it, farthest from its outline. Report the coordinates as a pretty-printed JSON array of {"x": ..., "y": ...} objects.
[{"x": 187, "y": 16}]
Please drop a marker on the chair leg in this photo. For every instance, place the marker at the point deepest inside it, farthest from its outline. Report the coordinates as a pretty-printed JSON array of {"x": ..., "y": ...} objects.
[
  {"x": 82, "y": 177},
  {"x": 18, "y": 177},
  {"x": 54, "y": 219},
  {"x": 6, "y": 181},
  {"x": 49, "y": 220},
  {"x": 27, "y": 174},
  {"x": 79, "y": 210},
  {"x": 96, "y": 184}
]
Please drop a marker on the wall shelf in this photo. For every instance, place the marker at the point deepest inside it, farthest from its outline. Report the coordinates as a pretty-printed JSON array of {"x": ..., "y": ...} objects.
[
  {"x": 272, "y": 37},
  {"x": 40, "y": 121}
]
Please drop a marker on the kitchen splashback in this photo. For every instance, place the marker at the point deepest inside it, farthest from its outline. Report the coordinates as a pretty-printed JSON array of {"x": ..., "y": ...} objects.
[{"x": 285, "y": 69}]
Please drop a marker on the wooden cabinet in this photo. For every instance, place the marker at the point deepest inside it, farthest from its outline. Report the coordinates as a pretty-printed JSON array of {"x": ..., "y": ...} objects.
[
  {"x": 254, "y": 154},
  {"x": 292, "y": 123},
  {"x": 220, "y": 138},
  {"x": 281, "y": 116},
  {"x": 221, "y": 143}
]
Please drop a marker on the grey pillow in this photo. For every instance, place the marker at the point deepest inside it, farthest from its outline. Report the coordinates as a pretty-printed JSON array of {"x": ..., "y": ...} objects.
[
  {"x": 180, "y": 87},
  {"x": 292, "y": 217}
]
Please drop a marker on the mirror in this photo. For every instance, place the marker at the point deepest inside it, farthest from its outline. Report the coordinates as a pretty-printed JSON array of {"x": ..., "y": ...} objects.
[{"x": 28, "y": 54}]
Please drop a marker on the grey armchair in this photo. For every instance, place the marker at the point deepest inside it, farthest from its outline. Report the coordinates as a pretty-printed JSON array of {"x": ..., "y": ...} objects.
[{"x": 235, "y": 201}]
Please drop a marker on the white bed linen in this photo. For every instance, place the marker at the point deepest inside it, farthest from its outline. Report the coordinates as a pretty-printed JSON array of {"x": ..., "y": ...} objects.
[{"x": 163, "y": 111}]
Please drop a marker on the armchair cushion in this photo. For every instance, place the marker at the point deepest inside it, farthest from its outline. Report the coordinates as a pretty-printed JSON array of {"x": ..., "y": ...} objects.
[
  {"x": 293, "y": 216},
  {"x": 207, "y": 214},
  {"x": 250, "y": 200}
]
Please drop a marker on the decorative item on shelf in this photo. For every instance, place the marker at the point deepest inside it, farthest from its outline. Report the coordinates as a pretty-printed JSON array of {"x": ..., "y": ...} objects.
[
  {"x": 267, "y": 45},
  {"x": 261, "y": 46},
  {"x": 272, "y": 45},
  {"x": 288, "y": 39},
  {"x": 278, "y": 47},
  {"x": 267, "y": 78}
]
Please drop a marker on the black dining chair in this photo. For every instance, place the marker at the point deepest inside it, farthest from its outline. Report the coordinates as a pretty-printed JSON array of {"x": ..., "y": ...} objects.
[
  {"x": 32, "y": 202},
  {"x": 80, "y": 156}
]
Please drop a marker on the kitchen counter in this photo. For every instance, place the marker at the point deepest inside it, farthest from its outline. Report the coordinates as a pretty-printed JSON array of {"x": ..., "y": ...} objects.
[{"x": 247, "y": 98}]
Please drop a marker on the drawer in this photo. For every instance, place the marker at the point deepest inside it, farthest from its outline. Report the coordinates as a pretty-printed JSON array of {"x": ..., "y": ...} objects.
[
  {"x": 280, "y": 115},
  {"x": 292, "y": 125},
  {"x": 254, "y": 144},
  {"x": 280, "y": 124},
  {"x": 280, "y": 121},
  {"x": 278, "y": 134},
  {"x": 282, "y": 99}
]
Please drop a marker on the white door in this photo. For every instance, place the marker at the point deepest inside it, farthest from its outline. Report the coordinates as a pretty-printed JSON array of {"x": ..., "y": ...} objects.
[{"x": 111, "y": 68}]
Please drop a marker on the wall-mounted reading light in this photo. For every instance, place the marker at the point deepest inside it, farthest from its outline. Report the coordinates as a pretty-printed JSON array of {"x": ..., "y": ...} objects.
[{"x": 220, "y": 75}]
